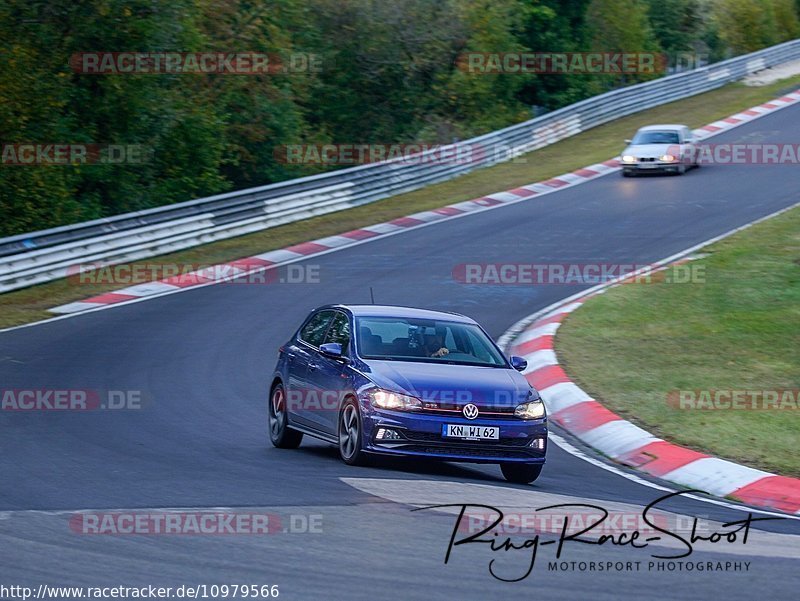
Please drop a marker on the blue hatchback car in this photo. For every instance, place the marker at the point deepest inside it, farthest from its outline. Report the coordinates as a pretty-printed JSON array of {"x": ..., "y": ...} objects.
[{"x": 383, "y": 380}]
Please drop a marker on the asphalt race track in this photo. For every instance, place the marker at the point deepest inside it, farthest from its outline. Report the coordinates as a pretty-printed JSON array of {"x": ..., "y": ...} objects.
[{"x": 203, "y": 358}]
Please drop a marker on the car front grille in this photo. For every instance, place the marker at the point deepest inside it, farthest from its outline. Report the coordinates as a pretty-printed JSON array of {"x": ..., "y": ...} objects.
[{"x": 453, "y": 410}]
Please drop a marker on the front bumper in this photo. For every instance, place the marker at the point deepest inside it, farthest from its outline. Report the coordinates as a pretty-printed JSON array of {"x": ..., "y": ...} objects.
[
  {"x": 651, "y": 166},
  {"x": 421, "y": 435}
]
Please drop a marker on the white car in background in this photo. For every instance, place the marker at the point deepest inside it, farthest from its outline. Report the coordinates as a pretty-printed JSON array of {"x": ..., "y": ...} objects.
[{"x": 666, "y": 148}]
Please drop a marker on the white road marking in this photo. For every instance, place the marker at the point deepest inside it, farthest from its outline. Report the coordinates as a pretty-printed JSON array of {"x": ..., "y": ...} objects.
[
  {"x": 573, "y": 450},
  {"x": 518, "y": 504}
]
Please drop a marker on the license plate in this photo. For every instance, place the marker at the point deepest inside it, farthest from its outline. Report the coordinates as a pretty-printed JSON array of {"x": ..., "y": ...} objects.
[
  {"x": 647, "y": 165},
  {"x": 471, "y": 432}
]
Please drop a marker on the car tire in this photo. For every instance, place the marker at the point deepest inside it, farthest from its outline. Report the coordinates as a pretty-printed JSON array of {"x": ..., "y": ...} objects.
[
  {"x": 349, "y": 434},
  {"x": 280, "y": 434},
  {"x": 627, "y": 173},
  {"x": 680, "y": 170},
  {"x": 521, "y": 473}
]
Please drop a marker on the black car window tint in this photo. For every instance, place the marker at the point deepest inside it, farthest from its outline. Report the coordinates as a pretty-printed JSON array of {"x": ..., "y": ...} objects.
[
  {"x": 314, "y": 331},
  {"x": 339, "y": 331}
]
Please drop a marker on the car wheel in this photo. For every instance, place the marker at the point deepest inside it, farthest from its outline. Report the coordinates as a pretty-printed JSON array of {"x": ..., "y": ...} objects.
[
  {"x": 521, "y": 473},
  {"x": 281, "y": 435},
  {"x": 349, "y": 434},
  {"x": 627, "y": 173},
  {"x": 680, "y": 170}
]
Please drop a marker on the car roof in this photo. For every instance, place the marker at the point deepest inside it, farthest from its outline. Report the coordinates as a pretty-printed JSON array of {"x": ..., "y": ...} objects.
[
  {"x": 398, "y": 311},
  {"x": 662, "y": 127}
]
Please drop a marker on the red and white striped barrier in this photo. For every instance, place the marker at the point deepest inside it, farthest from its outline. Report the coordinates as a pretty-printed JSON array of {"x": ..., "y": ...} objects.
[
  {"x": 276, "y": 258},
  {"x": 575, "y": 411}
]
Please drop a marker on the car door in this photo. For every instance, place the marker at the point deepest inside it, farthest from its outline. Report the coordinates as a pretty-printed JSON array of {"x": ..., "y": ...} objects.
[
  {"x": 329, "y": 378},
  {"x": 303, "y": 361}
]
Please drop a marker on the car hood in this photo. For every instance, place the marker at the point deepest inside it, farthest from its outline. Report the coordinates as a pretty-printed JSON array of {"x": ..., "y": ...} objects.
[
  {"x": 451, "y": 384},
  {"x": 651, "y": 150}
]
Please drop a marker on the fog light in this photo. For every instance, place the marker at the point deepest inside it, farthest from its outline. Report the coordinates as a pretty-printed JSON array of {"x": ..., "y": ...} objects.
[
  {"x": 386, "y": 434},
  {"x": 537, "y": 443}
]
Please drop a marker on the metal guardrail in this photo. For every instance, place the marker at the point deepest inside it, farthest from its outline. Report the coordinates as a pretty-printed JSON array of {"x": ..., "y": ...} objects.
[{"x": 46, "y": 255}]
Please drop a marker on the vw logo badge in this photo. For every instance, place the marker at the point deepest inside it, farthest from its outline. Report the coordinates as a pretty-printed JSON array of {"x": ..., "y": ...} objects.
[{"x": 470, "y": 411}]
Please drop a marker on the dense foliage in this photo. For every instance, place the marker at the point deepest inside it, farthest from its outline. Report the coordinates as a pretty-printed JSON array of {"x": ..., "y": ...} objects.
[{"x": 388, "y": 73}]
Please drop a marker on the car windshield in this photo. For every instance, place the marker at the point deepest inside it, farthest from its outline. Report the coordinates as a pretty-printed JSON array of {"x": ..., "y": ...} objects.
[
  {"x": 426, "y": 340},
  {"x": 656, "y": 137}
]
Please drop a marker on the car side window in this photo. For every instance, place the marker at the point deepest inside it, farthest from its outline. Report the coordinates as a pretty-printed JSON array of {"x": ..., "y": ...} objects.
[
  {"x": 339, "y": 331},
  {"x": 314, "y": 331}
]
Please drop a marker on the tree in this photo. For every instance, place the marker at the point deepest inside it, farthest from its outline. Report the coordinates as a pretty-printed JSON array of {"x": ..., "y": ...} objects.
[
  {"x": 557, "y": 26},
  {"x": 621, "y": 27},
  {"x": 45, "y": 101},
  {"x": 389, "y": 72},
  {"x": 746, "y": 25},
  {"x": 676, "y": 23},
  {"x": 787, "y": 25}
]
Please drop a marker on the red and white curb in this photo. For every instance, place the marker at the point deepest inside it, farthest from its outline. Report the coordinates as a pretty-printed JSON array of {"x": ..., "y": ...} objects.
[
  {"x": 275, "y": 258},
  {"x": 582, "y": 416},
  {"x": 270, "y": 260}
]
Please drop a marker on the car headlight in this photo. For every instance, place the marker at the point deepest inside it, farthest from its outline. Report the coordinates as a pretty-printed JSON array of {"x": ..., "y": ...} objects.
[
  {"x": 530, "y": 410},
  {"x": 628, "y": 158},
  {"x": 667, "y": 158},
  {"x": 384, "y": 399}
]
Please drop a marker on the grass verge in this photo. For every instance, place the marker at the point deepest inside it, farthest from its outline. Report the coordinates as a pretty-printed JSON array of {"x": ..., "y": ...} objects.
[
  {"x": 736, "y": 328},
  {"x": 596, "y": 145}
]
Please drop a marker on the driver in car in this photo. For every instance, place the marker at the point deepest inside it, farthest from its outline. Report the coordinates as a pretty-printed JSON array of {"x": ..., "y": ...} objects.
[{"x": 434, "y": 345}]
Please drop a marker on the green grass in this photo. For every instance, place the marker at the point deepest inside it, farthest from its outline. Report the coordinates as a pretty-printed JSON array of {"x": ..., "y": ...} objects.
[
  {"x": 595, "y": 145},
  {"x": 738, "y": 328}
]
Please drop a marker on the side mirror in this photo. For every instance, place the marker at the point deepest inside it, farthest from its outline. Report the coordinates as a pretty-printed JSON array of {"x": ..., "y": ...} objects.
[
  {"x": 332, "y": 350},
  {"x": 628, "y": 141},
  {"x": 519, "y": 363}
]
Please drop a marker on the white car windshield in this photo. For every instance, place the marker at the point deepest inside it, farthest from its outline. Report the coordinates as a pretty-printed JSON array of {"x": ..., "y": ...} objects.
[{"x": 656, "y": 137}]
